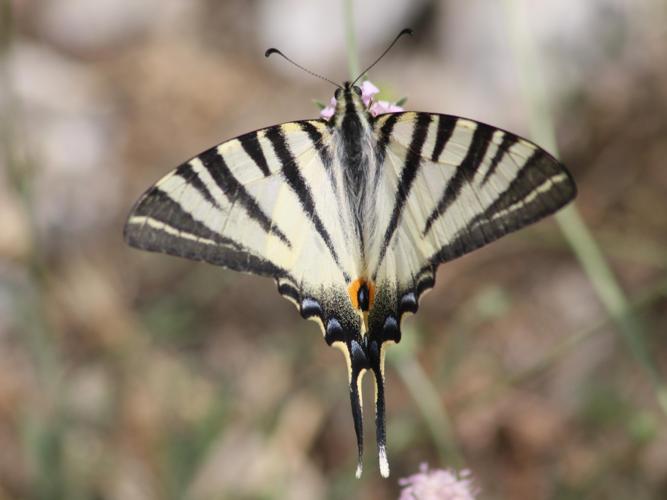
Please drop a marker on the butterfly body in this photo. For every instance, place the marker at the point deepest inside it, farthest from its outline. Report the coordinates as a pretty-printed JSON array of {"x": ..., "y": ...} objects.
[{"x": 352, "y": 216}]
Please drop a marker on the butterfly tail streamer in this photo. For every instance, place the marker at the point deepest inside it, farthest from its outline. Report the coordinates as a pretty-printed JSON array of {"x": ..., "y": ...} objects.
[
  {"x": 380, "y": 420},
  {"x": 380, "y": 427},
  {"x": 356, "y": 378}
]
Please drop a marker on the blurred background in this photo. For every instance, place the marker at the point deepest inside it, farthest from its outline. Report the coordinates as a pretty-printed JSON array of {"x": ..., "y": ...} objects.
[{"x": 135, "y": 376}]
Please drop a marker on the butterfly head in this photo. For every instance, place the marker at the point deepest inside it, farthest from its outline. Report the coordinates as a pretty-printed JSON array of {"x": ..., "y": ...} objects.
[{"x": 349, "y": 102}]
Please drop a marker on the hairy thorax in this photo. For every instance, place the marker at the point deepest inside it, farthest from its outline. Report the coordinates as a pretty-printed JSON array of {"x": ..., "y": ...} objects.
[{"x": 356, "y": 154}]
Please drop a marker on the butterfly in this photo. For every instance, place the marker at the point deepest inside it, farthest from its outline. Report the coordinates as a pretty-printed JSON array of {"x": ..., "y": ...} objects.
[{"x": 351, "y": 216}]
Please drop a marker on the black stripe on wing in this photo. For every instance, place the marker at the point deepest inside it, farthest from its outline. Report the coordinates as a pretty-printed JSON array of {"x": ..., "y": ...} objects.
[
  {"x": 446, "y": 126},
  {"x": 464, "y": 172},
  {"x": 326, "y": 156},
  {"x": 508, "y": 141},
  {"x": 160, "y": 224},
  {"x": 236, "y": 192},
  {"x": 537, "y": 170},
  {"x": 384, "y": 135},
  {"x": 412, "y": 161},
  {"x": 160, "y": 207},
  {"x": 541, "y": 187},
  {"x": 187, "y": 172},
  {"x": 317, "y": 139},
  {"x": 251, "y": 145},
  {"x": 299, "y": 186}
]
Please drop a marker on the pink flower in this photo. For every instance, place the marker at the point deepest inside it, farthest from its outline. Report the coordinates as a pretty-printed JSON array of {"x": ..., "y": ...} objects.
[
  {"x": 437, "y": 484},
  {"x": 381, "y": 107},
  {"x": 368, "y": 90},
  {"x": 328, "y": 111}
]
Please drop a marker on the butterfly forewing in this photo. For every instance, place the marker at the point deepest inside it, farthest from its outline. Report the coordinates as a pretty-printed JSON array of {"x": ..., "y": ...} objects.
[
  {"x": 452, "y": 185},
  {"x": 262, "y": 203}
]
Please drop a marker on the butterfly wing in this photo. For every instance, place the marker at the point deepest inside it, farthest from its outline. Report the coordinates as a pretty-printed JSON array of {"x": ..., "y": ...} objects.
[
  {"x": 446, "y": 186},
  {"x": 249, "y": 205}
]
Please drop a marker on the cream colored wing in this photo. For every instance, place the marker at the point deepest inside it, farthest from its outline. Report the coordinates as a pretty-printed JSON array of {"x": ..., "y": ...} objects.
[
  {"x": 266, "y": 203},
  {"x": 446, "y": 186}
]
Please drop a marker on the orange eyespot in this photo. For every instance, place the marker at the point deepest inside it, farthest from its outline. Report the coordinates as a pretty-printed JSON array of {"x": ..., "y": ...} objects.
[{"x": 362, "y": 294}]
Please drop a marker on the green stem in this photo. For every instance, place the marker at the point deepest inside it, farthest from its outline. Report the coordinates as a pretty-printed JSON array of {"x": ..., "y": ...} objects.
[
  {"x": 573, "y": 227},
  {"x": 41, "y": 425},
  {"x": 562, "y": 348},
  {"x": 351, "y": 39},
  {"x": 427, "y": 399}
]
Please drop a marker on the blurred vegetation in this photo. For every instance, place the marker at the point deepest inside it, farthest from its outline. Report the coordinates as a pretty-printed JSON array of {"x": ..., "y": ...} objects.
[{"x": 137, "y": 376}]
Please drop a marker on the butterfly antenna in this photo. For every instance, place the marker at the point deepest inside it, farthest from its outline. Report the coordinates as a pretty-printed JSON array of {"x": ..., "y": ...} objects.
[
  {"x": 276, "y": 51},
  {"x": 406, "y": 31}
]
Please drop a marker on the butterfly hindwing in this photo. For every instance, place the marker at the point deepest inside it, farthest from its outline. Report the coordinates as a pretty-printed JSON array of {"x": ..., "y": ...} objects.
[{"x": 451, "y": 185}]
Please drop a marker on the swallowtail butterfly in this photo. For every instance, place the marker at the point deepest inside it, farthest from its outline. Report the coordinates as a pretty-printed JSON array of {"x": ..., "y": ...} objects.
[{"x": 351, "y": 216}]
